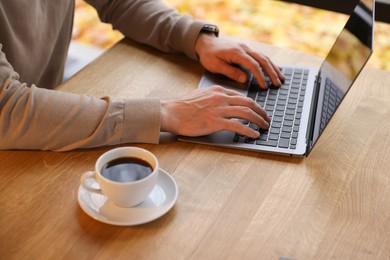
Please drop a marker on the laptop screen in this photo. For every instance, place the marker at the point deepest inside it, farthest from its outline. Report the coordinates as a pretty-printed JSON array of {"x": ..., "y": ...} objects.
[{"x": 341, "y": 67}]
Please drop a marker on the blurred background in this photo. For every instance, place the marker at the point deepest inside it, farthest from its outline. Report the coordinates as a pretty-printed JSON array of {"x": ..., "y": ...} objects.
[{"x": 283, "y": 24}]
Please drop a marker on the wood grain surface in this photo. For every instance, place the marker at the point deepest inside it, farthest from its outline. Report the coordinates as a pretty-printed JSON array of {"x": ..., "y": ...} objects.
[{"x": 232, "y": 204}]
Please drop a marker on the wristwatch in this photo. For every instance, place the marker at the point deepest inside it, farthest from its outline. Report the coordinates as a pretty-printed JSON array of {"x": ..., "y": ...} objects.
[{"x": 210, "y": 28}]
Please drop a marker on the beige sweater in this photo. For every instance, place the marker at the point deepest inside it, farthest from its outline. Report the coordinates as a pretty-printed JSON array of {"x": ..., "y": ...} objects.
[{"x": 34, "y": 39}]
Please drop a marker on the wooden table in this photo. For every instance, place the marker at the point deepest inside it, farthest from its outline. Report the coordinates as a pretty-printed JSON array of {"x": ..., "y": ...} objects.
[{"x": 334, "y": 204}]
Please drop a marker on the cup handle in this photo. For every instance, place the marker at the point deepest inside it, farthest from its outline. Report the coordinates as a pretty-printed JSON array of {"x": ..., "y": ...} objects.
[{"x": 89, "y": 175}]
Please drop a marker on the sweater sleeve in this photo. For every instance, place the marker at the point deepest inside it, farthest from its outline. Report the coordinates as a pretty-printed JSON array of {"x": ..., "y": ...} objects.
[
  {"x": 151, "y": 22},
  {"x": 43, "y": 119}
]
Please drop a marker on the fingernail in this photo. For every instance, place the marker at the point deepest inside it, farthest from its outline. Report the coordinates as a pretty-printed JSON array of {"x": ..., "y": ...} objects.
[
  {"x": 256, "y": 134},
  {"x": 242, "y": 78}
]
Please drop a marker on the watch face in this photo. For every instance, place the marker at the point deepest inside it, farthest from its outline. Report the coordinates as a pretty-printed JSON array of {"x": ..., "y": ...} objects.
[{"x": 210, "y": 28}]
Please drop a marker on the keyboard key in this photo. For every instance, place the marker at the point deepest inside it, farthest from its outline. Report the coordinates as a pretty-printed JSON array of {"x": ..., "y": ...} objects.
[
  {"x": 263, "y": 131},
  {"x": 243, "y": 121},
  {"x": 253, "y": 126},
  {"x": 295, "y": 86},
  {"x": 290, "y": 112},
  {"x": 282, "y": 97},
  {"x": 270, "y": 102},
  {"x": 261, "y": 103},
  {"x": 287, "y": 129},
  {"x": 263, "y": 137},
  {"x": 260, "y": 98},
  {"x": 279, "y": 113},
  {"x": 297, "y": 81},
  {"x": 287, "y": 71},
  {"x": 272, "y": 97},
  {"x": 262, "y": 93},
  {"x": 267, "y": 143},
  {"x": 249, "y": 140},
  {"x": 283, "y": 92},
  {"x": 284, "y": 143},
  {"x": 278, "y": 119},
  {"x": 275, "y": 131},
  {"x": 294, "y": 90},
  {"x": 292, "y": 101},
  {"x": 290, "y": 106}
]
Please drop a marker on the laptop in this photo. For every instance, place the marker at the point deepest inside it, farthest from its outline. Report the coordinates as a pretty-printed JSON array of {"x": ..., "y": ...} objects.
[{"x": 302, "y": 107}]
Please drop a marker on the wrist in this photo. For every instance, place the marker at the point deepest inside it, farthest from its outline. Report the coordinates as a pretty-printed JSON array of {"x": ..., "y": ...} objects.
[
  {"x": 207, "y": 33},
  {"x": 166, "y": 117}
]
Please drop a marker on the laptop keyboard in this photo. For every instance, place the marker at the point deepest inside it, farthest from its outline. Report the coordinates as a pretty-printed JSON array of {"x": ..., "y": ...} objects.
[{"x": 284, "y": 106}]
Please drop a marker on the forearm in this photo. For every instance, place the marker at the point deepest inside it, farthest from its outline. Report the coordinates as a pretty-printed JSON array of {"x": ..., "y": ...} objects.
[
  {"x": 41, "y": 119},
  {"x": 151, "y": 22}
]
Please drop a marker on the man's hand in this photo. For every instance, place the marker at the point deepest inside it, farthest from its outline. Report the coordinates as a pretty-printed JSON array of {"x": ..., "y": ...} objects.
[
  {"x": 205, "y": 111},
  {"x": 218, "y": 55}
]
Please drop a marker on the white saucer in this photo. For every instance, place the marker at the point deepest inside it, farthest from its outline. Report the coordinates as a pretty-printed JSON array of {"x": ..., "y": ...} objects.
[{"x": 159, "y": 202}]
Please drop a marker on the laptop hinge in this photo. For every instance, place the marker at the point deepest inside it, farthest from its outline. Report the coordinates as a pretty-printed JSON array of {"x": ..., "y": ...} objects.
[{"x": 313, "y": 112}]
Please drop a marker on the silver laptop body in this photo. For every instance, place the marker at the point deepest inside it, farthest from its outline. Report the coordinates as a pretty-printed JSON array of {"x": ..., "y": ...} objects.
[{"x": 309, "y": 107}]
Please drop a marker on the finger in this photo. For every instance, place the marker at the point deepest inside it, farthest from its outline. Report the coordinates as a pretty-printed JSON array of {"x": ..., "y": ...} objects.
[
  {"x": 226, "y": 91},
  {"x": 269, "y": 67},
  {"x": 253, "y": 61},
  {"x": 278, "y": 71},
  {"x": 238, "y": 127},
  {"x": 235, "y": 98},
  {"x": 254, "y": 66},
  {"x": 250, "y": 103},
  {"x": 227, "y": 98},
  {"x": 247, "y": 61},
  {"x": 232, "y": 72},
  {"x": 244, "y": 113}
]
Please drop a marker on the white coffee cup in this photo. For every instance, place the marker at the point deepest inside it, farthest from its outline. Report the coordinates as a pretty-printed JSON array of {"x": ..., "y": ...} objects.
[{"x": 124, "y": 193}]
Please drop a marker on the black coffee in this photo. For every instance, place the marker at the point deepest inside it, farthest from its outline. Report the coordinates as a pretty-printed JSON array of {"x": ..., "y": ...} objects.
[{"x": 126, "y": 169}]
